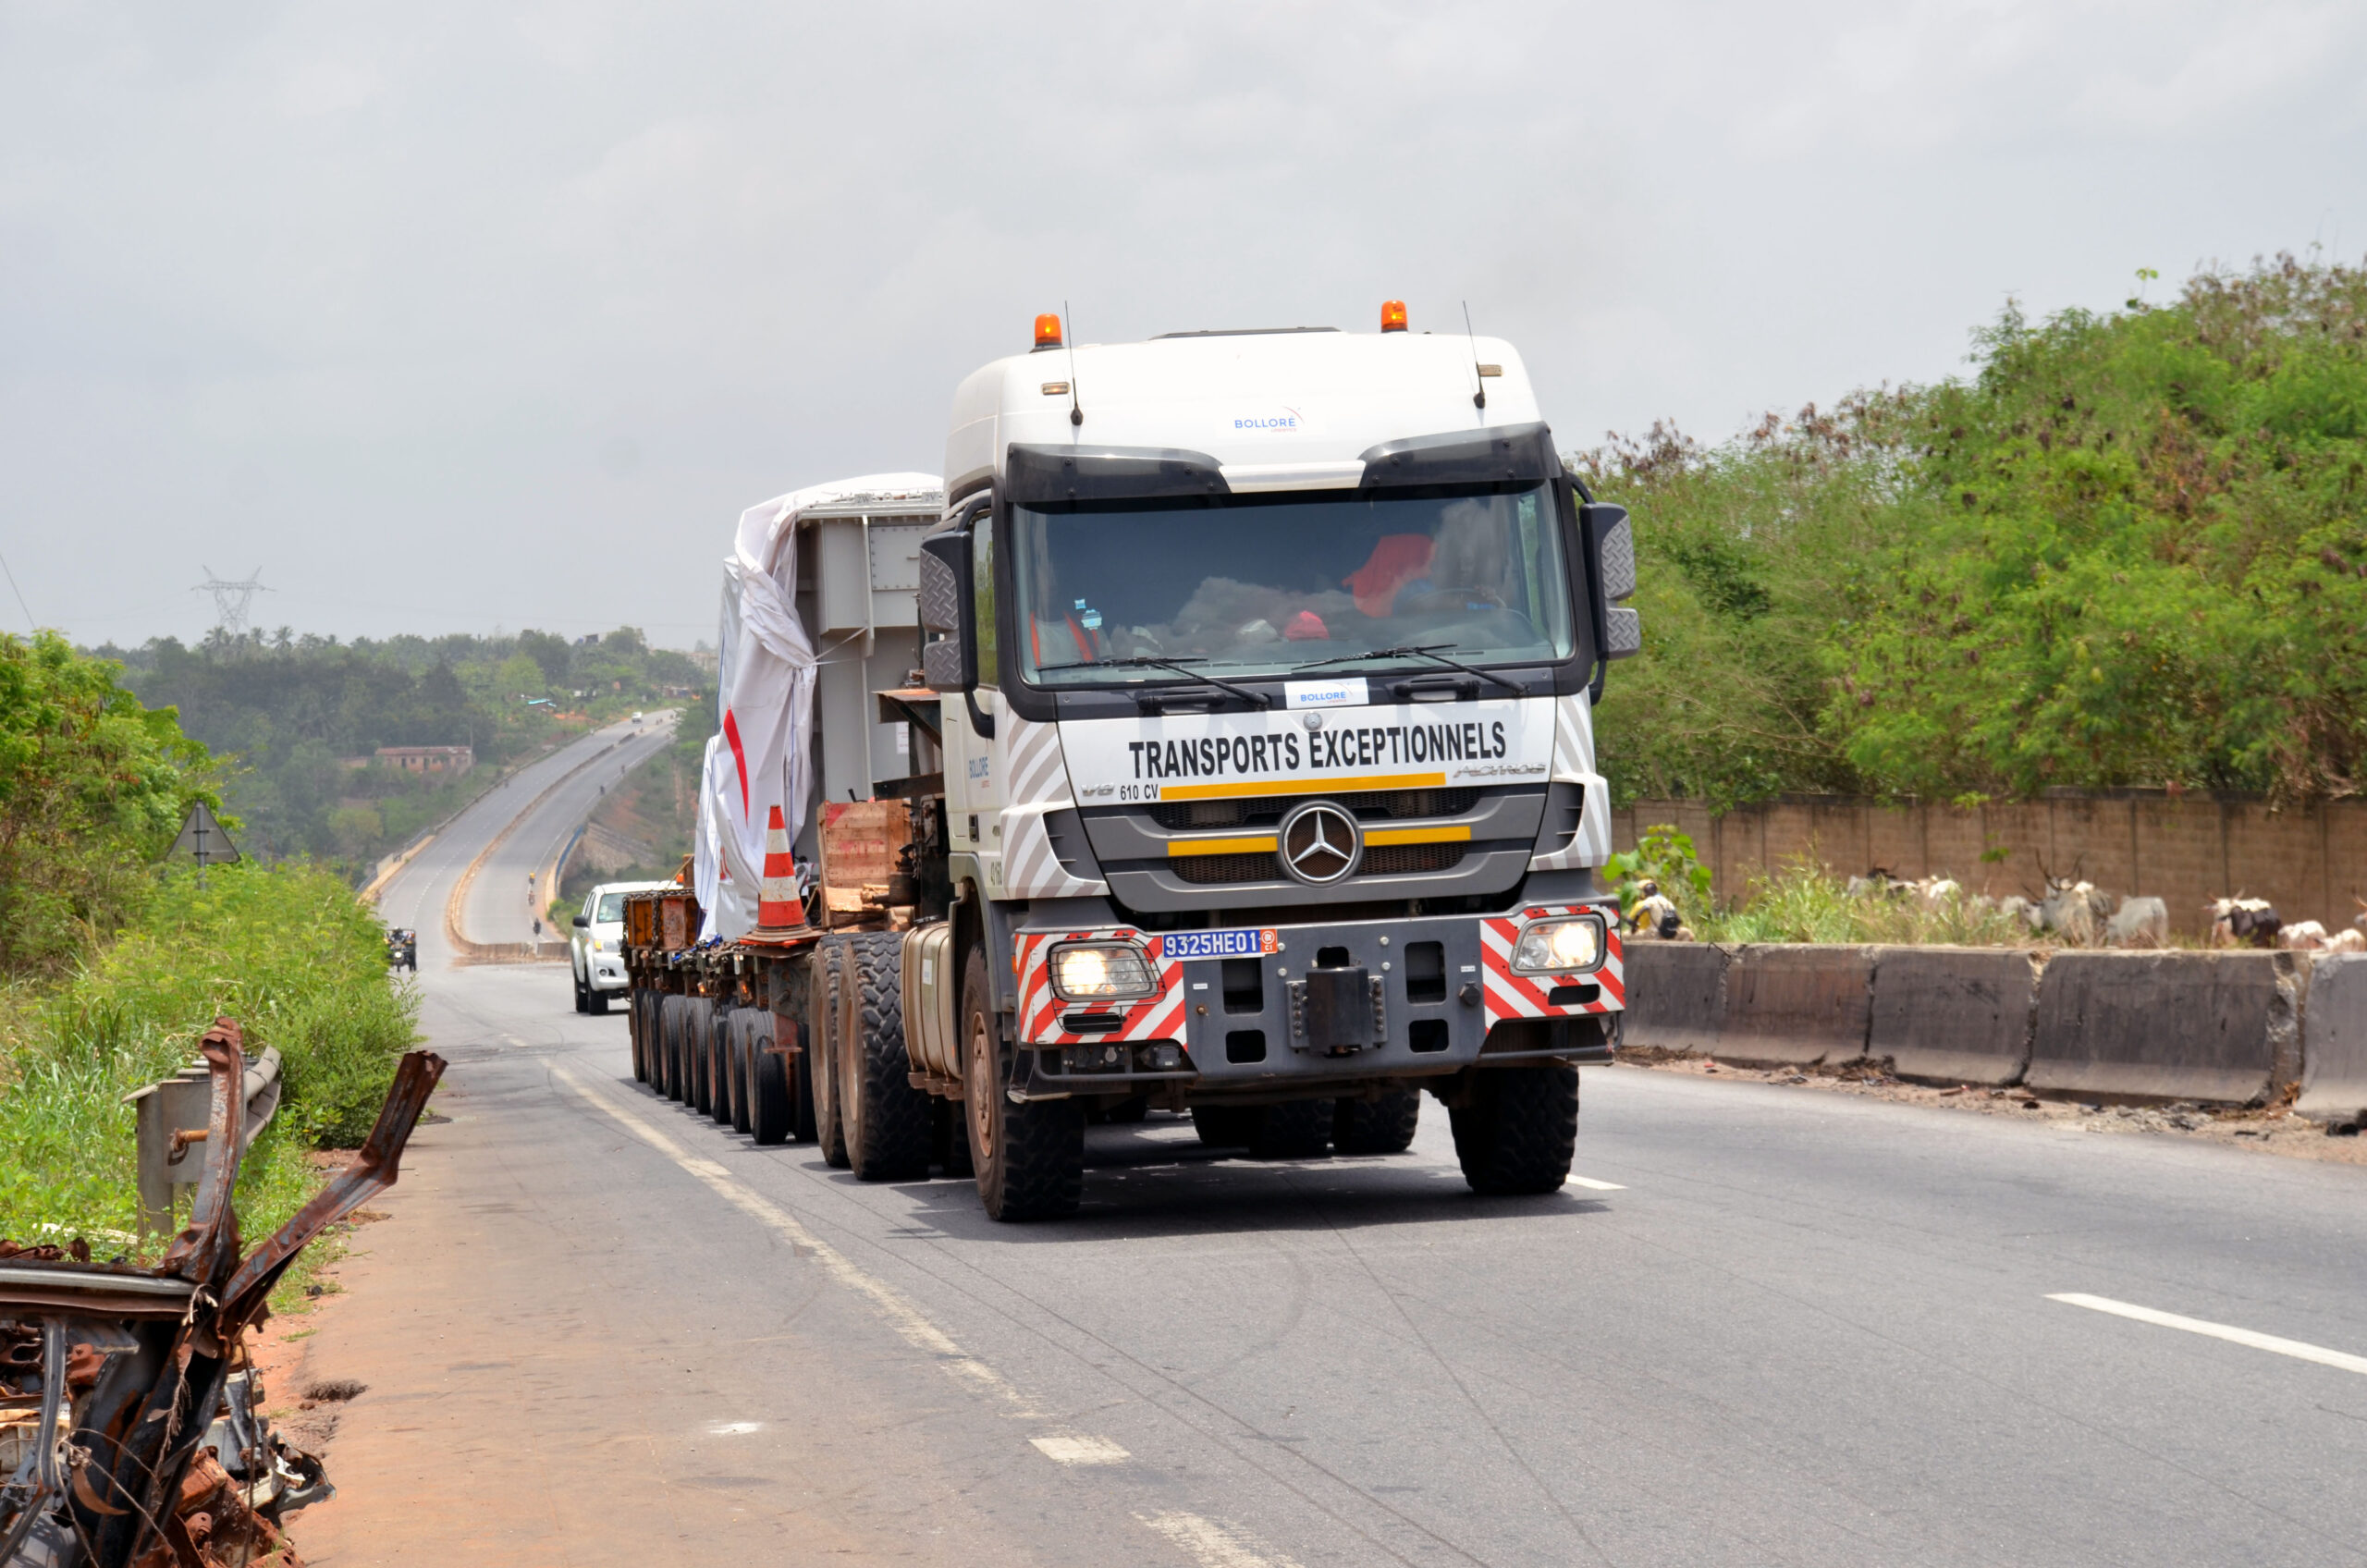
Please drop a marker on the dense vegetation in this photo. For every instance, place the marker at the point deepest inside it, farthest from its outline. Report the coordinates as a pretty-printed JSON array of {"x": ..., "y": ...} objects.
[
  {"x": 301, "y": 717},
  {"x": 92, "y": 787},
  {"x": 112, "y": 965},
  {"x": 2131, "y": 549}
]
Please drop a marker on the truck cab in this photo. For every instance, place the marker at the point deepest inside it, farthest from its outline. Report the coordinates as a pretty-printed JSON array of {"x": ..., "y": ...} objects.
[{"x": 1266, "y": 662}]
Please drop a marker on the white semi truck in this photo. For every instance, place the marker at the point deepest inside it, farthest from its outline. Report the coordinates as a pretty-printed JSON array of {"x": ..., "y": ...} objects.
[{"x": 1250, "y": 773}]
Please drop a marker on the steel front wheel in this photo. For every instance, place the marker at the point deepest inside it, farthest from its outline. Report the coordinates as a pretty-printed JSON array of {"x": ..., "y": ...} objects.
[{"x": 1029, "y": 1158}]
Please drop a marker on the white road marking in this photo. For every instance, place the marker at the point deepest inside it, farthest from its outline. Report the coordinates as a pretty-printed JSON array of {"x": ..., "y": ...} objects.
[
  {"x": 908, "y": 1321},
  {"x": 735, "y": 1429},
  {"x": 1212, "y": 1545},
  {"x": 1081, "y": 1451},
  {"x": 2295, "y": 1348},
  {"x": 1593, "y": 1186}
]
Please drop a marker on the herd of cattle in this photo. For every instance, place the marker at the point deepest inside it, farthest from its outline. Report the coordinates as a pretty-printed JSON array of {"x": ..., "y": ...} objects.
[{"x": 2077, "y": 913}]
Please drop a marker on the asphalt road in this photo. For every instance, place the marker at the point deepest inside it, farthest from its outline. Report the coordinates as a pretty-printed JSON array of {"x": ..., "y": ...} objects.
[
  {"x": 1774, "y": 1326},
  {"x": 568, "y": 784}
]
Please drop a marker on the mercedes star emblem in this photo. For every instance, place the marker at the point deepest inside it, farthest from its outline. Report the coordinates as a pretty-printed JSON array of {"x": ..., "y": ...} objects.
[{"x": 1320, "y": 843}]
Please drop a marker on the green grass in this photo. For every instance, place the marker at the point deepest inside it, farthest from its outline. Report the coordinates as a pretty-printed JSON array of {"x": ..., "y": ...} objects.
[
  {"x": 288, "y": 952},
  {"x": 1801, "y": 904}
]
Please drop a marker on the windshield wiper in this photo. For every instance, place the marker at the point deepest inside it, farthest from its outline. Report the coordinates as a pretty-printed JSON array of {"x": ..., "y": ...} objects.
[
  {"x": 1420, "y": 651},
  {"x": 1182, "y": 666}
]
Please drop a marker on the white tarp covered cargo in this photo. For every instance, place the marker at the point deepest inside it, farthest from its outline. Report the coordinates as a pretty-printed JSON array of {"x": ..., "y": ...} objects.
[{"x": 763, "y": 753}]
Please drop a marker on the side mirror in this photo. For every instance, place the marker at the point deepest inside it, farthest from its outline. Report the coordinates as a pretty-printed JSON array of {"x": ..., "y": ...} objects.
[
  {"x": 1611, "y": 552},
  {"x": 582, "y": 923},
  {"x": 949, "y": 662}
]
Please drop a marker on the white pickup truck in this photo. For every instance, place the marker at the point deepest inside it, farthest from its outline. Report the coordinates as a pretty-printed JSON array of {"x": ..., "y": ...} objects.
[{"x": 595, "y": 948}]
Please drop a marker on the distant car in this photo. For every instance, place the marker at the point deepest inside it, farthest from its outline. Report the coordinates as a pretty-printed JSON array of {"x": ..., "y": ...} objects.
[
  {"x": 595, "y": 948},
  {"x": 402, "y": 948}
]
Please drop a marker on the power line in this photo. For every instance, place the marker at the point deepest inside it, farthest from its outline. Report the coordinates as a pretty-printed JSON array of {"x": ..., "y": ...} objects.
[
  {"x": 30, "y": 622},
  {"x": 232, "y": 600}
]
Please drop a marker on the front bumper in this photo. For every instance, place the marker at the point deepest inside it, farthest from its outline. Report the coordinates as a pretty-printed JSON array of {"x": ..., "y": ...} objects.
[
  {"x": 1391, "y": 998},
  {"x": 607, "y": 973}
]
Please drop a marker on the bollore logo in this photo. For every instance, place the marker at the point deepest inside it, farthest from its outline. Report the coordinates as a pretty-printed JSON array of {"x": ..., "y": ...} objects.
[{"x": 1278, "y": 422}]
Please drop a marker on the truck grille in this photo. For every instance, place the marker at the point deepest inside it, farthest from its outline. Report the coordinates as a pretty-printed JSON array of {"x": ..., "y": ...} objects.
[
  {"x": 1386, "y": 860},
  {"x": 1178, "y": 816}
]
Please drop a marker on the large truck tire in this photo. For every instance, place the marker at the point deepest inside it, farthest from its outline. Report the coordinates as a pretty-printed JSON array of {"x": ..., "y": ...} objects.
[
  {"x": 1030, "y": 1157},
  {"x": 822, "y": 1049},
  {"x": 725, "y": 1058},
  {"x": 1381, "y": 1126},
  {"x": 1297, "y": 1130},
  {"x": 886, "y": 1121},
  {"x": 1226, "y": 1126},
  {"x": 772, "y": 1105},
  {"x": 1519, "y": 1130}
]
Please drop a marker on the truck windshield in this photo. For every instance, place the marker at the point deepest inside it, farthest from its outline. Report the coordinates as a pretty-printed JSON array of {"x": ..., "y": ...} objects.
[{"x": 1258, "y": 586}]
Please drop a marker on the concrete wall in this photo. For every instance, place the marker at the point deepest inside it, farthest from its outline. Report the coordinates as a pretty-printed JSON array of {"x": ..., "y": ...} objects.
[{"x": 2310, "y": 862}]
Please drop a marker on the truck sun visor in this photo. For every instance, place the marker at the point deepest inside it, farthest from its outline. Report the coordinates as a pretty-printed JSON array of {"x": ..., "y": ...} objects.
[
  {"x": 1040, "y": 475},
  {"x": 1464, "y": 457}
]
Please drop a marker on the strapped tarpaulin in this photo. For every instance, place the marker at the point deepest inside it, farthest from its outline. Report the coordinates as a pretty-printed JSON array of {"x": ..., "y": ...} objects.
[{"x": 762, "y": 755}]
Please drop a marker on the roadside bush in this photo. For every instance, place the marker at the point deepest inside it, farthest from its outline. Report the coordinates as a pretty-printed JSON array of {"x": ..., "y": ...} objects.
[
  {"x": 1804, "y": 903},
  {"x": 287, "y": 950}
]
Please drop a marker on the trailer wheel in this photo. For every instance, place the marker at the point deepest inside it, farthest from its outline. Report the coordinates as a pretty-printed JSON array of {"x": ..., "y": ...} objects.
[
  {"x": 725, "y": 1055},
  {"x": 1225, "y": 1126},
  {"x": 1298, "y": 1130},
  {"x": 1518, "y": 1131},
  {"x": 698, "y": 1034},
  {"x": 771, "y": 1110},
  {"x": 1381, "y": 1126},
  {"x": 822, "y": 1050},
  {"x": 1030, "y": 1157},
  {"x": 743, "y": 1069},
  {"x": 670, "y": 1046},
  {"x": 801, "y": 1086},
  {"x": 637, "y": 1029}
]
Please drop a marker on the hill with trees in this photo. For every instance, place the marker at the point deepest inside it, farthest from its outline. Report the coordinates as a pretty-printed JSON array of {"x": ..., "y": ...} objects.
[{"x": 2130, "y": 549}]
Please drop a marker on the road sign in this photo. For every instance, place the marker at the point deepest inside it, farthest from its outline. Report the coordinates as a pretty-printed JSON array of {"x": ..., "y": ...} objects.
[{"x": 203, "y": 841}]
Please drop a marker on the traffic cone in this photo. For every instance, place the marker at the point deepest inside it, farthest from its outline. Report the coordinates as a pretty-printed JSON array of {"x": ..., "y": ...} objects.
[{"x": 777, "y": 908}]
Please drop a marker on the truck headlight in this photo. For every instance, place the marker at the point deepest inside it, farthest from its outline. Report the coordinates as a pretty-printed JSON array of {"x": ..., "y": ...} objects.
[
  {"x": 1559, "y": 947},
  {"x": 1092, "y": 972}
]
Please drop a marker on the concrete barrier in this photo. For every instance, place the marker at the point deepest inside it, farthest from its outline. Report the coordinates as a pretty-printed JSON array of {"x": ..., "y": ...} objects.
[
  {"x": 2161, "y": 1026},
  {"x": 1954, "y": 1015},
  {"x": 2334, "y": 1041},
  {"x": 1795, "y": 1004},
  {"x": 1676, "y": 995}
]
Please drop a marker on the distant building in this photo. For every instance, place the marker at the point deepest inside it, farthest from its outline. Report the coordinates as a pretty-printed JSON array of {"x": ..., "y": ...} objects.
[{"x": 454, "y": 760}]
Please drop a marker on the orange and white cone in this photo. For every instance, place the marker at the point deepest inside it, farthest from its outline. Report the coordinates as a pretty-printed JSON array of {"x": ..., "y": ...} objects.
[{"x": 777, "y": 903}]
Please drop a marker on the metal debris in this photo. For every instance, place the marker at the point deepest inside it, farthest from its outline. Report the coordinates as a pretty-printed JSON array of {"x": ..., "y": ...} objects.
[{"x": 106, "y": 1460}]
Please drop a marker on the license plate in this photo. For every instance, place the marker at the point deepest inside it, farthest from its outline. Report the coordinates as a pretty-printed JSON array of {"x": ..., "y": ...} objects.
[{"x": 1248, "y": 941}]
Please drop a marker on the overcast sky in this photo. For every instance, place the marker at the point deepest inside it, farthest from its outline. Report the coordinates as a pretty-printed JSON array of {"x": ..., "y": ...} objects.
[{"x": 451, "y": 316}]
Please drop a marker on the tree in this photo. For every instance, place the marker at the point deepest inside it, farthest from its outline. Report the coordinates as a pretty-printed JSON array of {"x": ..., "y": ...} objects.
[
  {"x": 550, "y": 652},
  {"x": 93, "y": 788}
]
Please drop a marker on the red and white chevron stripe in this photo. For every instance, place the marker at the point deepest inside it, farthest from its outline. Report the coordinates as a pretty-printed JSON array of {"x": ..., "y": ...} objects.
[
  {"x": 1522, "y": 995},
  {"x": 1159, "y": 1017}
]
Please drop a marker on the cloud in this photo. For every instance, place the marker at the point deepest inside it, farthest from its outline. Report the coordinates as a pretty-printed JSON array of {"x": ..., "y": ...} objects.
[{"x": 383, "y": 295}]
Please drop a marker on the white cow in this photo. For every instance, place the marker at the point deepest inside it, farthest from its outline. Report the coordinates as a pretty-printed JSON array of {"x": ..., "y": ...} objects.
[
  {"x": 2138, "y": 923},
  {"x": 2301, "y": 936}
]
